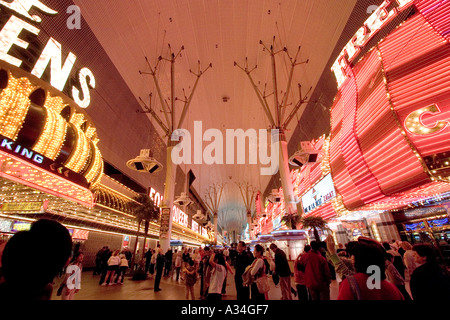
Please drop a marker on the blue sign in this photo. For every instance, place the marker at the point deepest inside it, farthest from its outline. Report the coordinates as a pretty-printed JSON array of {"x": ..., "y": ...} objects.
[
  {"x": 415, "y": 226},
  {"x": 438, "y": 222}
]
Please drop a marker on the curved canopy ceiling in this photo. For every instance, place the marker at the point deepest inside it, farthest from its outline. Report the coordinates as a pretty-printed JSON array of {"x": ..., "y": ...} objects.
[{"x": 220, "y": 32}]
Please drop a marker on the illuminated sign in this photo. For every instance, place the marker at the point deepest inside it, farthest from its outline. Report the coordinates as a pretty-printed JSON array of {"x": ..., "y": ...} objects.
[
  {"x": 10, "y": 147},
  {"x": 176, "y": 243},
  {"x": 379, "y": 19},
  {"x": 415, "y": 226},
  {"x": 179, "y": 217},
  {"x": 321, "y": 193},
  {"x": 165, "y": 223},
  {"x": 276, "y": 223},
  {"x": 32, "y": 206},
  {"x": 125, "y": 241},
  {"x": 80, "y": 234},
  {"x": 204, "y": 232},
  {"x": 156, "y": 197},
  {"x": 436, "y": 223},
  {"x": 12, "y": 37},
  {"x": 20, "y": 226},
  {"x": 5, "y": 225},
  {"x": 194, "y": 226}
]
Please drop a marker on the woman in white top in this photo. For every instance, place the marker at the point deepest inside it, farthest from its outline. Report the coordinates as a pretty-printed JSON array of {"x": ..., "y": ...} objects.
[
  {"x": 153, "y": 262},
  {"x": 219, "y": 271},
  {"x": 178, "y": 263},
  {"x": 408, "y": 260},
  {"x": 72, "y": 279},
  {"x": 257, "y": 270},
  {"x": 113, "y": 267},
  {"x": 122, "y": 269},
  {"x": 197, "y": 259}
]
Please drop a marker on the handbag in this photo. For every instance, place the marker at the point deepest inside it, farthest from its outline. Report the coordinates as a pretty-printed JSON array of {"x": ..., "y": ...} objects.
[{"x": 263, "y": 284}]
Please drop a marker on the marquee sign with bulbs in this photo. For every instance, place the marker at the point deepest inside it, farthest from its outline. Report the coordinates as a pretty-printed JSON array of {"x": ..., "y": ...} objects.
[
  {"x": 46, "y": 141},
  {"x": 390, "y": 121},
  {"x": 390, "y": 128}
]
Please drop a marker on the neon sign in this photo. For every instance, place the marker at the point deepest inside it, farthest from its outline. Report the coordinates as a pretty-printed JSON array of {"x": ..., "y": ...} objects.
[
  {"x": 414, "y": 122},
  {"x": 321, "y": 193},
  {"x": 50, "y": 55},
  {"x": 155, "y": 196},
  {"x": 180, "y": 217},
  {"x": 379, "y": 19}
]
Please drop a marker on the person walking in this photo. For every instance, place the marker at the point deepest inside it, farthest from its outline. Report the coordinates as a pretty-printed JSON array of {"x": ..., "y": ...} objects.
[
  {"x": 98, "y": 261},
  {"x": 299, "y": 275},
  {"x": 394, "y": 277},
  {"x": 398, "y": 259},
  {"x": 205, "y": 273},
  {"x": 168, "y": 264},
  {"x": 178, "y": 262},
  {"x": 283, "y": 271},
  {"x": 113, "y": 268},
  {"x": 72, "y": 278},
  {"x": 185, "y": 258},
  {"x": 191, "y": 279},
  {"x": 160, "y": 262},
  {"x": 197, "y": 258},
  {"x": 218, "y": 273},
  {"x": 429, "y": 281},
  {"x": 123, "y": 267},
  {"x": 148, "y": 258},
  {"x": 258, "y": 270},
  {"x": 408, "y": 260},
  {"x": 104, "y": 264},
  {"x": 317, "y": 273},
  {"x": 153, "y": 262},
  {"x": 242, "y": 261}
]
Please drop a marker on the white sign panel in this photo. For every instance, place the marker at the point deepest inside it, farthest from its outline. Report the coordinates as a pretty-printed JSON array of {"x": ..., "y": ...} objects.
[
  {"x": 194, "y": 226},
  {"x": 180, "y": 217},
  {"x": 319, "y": 194}
]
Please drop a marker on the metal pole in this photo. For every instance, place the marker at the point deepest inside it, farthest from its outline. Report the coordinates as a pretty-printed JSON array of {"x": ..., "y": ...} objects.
[
  {"x": 275, "y": 88},
  {"x": 285, "y": 177},
  {"x": 169, "y": 190}
]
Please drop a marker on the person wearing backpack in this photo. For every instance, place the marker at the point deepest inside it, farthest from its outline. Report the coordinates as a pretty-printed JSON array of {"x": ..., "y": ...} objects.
[{"x": 191, "y": 279}]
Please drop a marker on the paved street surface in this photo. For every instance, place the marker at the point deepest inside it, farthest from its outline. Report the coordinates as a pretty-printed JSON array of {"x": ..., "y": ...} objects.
[{"x": 143, "y": 289}]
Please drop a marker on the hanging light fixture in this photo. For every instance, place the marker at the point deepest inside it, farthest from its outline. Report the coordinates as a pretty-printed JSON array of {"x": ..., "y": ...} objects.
[
  {"x": 307, "y": 154},
  {"x": 145, "y": 162},
  {"x": 183, "y": 200}
]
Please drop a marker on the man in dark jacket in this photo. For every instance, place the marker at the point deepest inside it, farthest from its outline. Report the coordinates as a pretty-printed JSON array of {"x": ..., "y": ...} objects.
[
  {"x": 283, "y": 271},
  {"x": 205, "y": 273},
  {"x": 242, "y": 261},
  {"x": 168, "y": 265},
  {"x": 160, "y": 261},
  {"x": 104, "y": 264},
  {"x": 429, "y": 281},
  {"x": 317, "y": 273}
]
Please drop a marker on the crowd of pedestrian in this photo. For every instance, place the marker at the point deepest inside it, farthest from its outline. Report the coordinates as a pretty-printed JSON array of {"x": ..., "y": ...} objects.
[{"x": 365, "y": 269}]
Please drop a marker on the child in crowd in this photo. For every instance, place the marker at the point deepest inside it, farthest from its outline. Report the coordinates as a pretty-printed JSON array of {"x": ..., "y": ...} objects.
[{"x": 191, "y": 279}]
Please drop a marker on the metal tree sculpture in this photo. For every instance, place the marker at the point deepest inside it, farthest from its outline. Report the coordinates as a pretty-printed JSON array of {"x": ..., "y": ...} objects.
[
  {"x": 169, "y": 126},
  {"x": 213, "y": 196},
  {"x": 248, "y": 193},
  {"x": 280, "y": 122}
]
